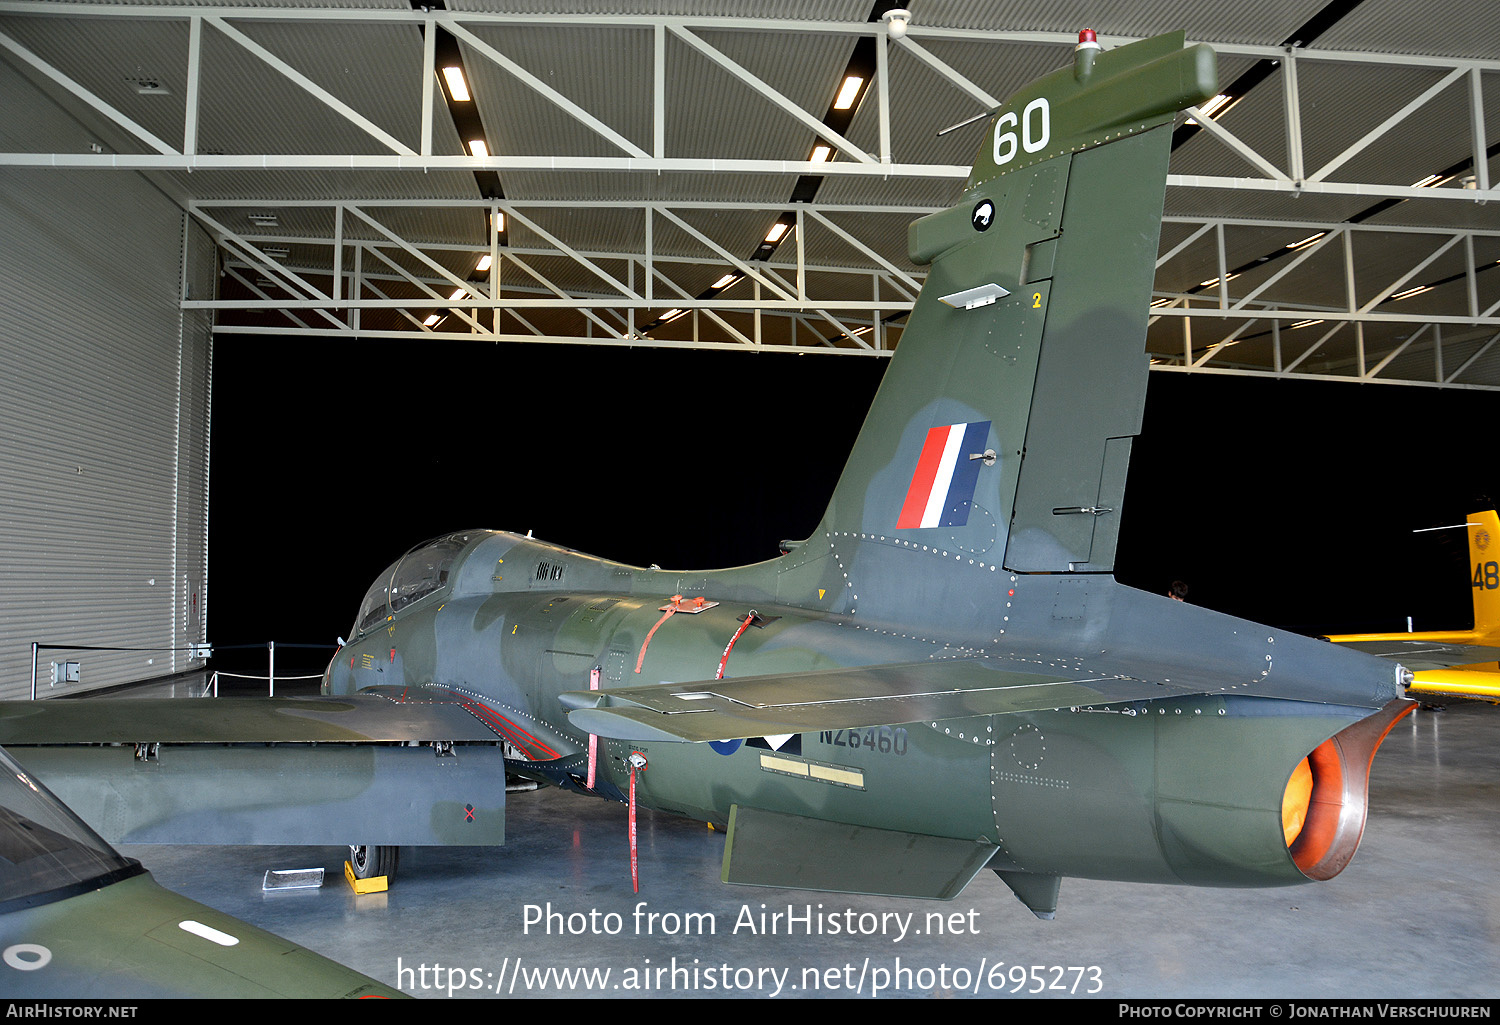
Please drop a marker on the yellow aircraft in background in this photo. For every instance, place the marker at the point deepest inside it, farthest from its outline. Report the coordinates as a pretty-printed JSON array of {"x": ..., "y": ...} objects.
[{"x": 1456, "y": 662}]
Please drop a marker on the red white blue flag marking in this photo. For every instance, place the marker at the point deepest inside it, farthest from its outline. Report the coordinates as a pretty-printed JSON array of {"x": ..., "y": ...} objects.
[{"x": 942, "y": 487}]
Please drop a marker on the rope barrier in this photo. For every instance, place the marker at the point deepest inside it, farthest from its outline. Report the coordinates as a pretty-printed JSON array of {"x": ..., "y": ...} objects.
[{"x": 204, "y": 651}]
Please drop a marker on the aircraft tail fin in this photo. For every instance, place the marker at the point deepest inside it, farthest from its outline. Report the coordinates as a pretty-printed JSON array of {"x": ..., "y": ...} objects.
[
  {"x": 1484, "y": 556},
  {"x": 1003, "y": 425}
]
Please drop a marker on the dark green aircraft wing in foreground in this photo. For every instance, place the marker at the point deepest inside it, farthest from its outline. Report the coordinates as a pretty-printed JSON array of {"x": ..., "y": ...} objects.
[
  {"x": 411, "y": 766},
  {"x": 79, "y": 920},
  {"x": 356, "y": 719}
]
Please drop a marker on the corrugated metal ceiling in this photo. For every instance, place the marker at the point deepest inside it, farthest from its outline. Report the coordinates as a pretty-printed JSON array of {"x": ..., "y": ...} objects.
[{"x": 600, "y": 56}]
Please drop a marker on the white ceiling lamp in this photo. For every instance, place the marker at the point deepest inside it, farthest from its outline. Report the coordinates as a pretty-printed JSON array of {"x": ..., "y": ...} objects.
[
  {"x": 848, "y": 92},
  {"x": 457, "y": 87}
]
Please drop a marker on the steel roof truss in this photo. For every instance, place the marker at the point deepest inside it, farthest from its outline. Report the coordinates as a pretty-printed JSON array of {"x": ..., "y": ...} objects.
[
  {"x": 927, "y": 57},
  {"x": 743, "y": 266},
  {"x": 572, "y": 300},
  {"x": 1302, "y": 257},
  {"x": 6, "y": 42},
  {"x": 716, "y": 55},
  {"x": 683, "y": 293},
  {"x": 1471, "y": 360},
  {"x": 312, "y": 88},
  {"x": 1396, "y": 285},
  {"x": 444, "y": 272},
  {"x": 1386, "y": 125},
  {"x": 543, "y": 89},
  {"x": 407, "y": 314},
  {"x": 1398, "y": 350},
  {"x": 453, "y": 306},
  {"x": 624, "y": 289},
  {"x": 1234, "y": 142},
  {"x": 234, "y": 272}
]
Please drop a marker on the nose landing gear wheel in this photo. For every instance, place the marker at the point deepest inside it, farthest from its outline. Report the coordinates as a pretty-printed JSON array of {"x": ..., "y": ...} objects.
[{"x": 370, "y": 862}]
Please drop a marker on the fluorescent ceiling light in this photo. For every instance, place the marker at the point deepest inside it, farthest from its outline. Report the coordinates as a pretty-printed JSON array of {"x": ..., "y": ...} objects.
[
  {"x": 1307, "y": 241},
  {"x": 457, "y": 87},
  {"x": 478, "y": 148},
  {"x": 820, "y": 153},
  {"x": 848, "y": 92},
  {"x": 483, "y": 265},
  {"x": 1430, "y": 180},
  {"x": 1412, "y": 291},
  {"x": 458, "y": 292},
  {"x": 1215, "y": 107},
  {"x": 725, "y": 281},
  {"x": 430, "y": 321},
  {"x": 1305, "y": 323},
  {"x": 777, "y": 231},
  {"x": 671, "y": 315}
]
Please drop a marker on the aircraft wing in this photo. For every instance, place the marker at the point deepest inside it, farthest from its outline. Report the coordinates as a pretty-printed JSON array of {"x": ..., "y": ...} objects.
[
  {"x": 363, "y": 718},
  {"x": 758, "y": 706},
  {"x": 1419, "y": 655},
  {"x": 386, "y": 767}
]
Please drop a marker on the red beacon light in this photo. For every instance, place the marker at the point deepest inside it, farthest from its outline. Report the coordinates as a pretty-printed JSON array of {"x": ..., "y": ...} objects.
[{"x": 1083, "y": 54}]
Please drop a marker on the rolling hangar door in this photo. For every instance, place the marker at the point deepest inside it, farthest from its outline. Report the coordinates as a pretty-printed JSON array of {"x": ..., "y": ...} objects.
[{"x": 104, "y": 417}]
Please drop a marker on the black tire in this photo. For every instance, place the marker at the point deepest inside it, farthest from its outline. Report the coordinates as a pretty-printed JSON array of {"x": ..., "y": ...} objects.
[{"x": 370, "y": 862}]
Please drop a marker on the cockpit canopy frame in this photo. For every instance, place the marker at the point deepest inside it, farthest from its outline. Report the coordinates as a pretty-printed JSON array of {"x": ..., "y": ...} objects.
[{"x": 421, "y": 572}]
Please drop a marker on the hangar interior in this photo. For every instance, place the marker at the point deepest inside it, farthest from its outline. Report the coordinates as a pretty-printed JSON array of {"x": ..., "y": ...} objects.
[
  {"x": 693, "y": 174},
  {"x": 629, "y": 175}
]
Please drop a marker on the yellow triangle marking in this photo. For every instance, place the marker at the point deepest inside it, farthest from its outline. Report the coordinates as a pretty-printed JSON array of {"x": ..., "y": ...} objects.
[{"x": 821, "y": 592}]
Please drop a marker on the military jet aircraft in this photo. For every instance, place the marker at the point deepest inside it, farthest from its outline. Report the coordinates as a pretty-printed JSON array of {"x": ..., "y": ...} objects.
[
  {"x": 944, "y": 677},
  {"x": 77, "y": 919}
]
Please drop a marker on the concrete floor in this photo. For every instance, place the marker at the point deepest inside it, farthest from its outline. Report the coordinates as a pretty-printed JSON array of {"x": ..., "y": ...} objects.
[{"x": 1417, "y": 914}]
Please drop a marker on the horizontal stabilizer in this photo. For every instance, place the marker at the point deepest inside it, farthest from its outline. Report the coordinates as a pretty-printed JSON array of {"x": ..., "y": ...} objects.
[
  {"x": 767, "y": 848},
  {"x": 758, "y": 706},
  {"x": 1420, "y": 655}
]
